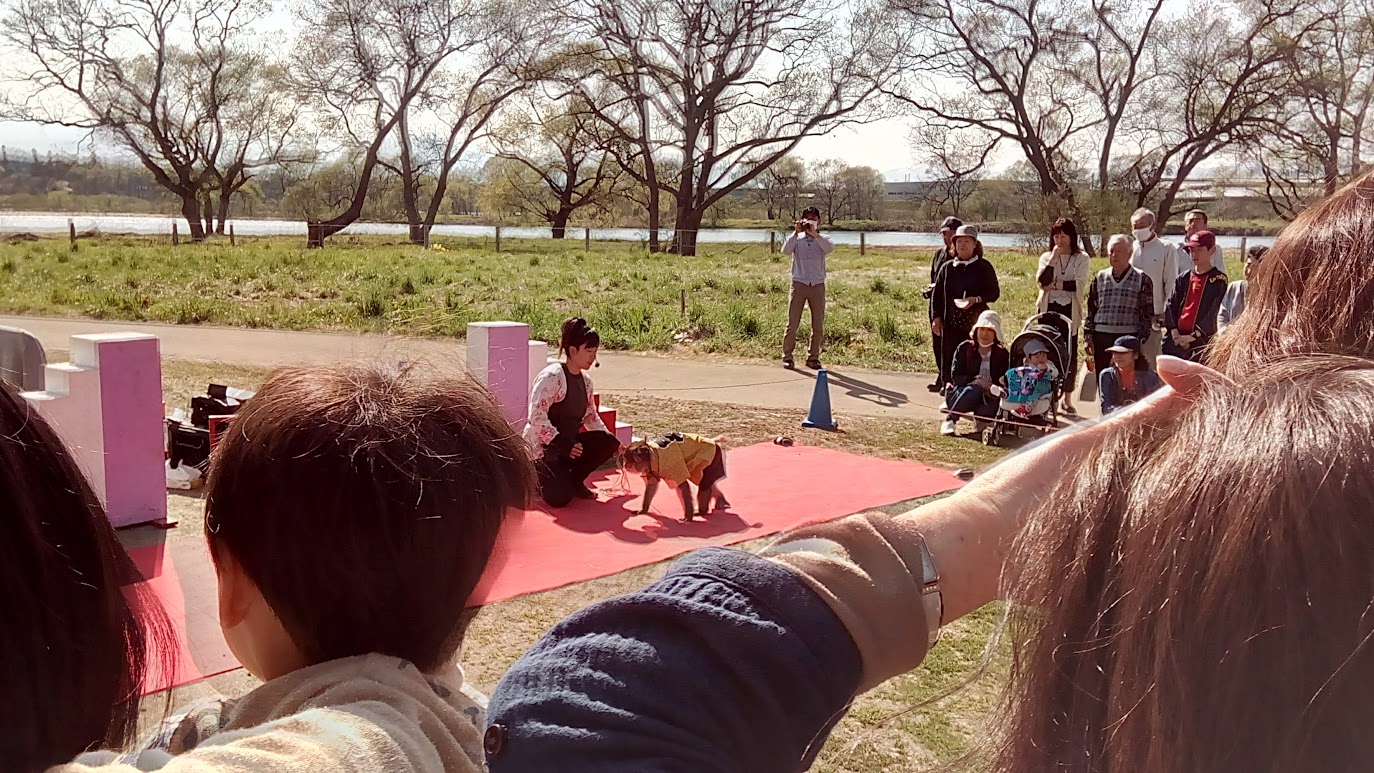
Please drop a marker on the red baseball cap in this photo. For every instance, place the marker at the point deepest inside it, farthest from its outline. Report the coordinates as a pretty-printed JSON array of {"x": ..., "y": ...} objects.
[{"x": 1205, "y": 239}]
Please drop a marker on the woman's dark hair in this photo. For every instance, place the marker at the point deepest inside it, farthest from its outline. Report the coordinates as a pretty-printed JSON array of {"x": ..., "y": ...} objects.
[
  {"x": 1257, "y": 253},
  {"x": 576, "y": 332},
  {"x": 1065, "y": 226},
  {"x": 1166, "y": 624},
  {"x": 1314, "y": 290},
  {"x": 74, "y": 646},
  {"x": 364, "y": 502}
]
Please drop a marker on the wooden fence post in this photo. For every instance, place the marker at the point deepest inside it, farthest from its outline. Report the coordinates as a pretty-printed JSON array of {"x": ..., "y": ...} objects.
[
  {"x": 682, "y": 301},
  {"x": 863, "y": 246},
  {"x": 498, "y": 238},
  {"x": 232, "y": 242},
  {"x": 772, "y": 242},
  {"x": 176, "y": 237},
  {"x": 587, "y": 239},
  {"x": 71, "y": 228},
  {"x": 1243, "y": 241}
]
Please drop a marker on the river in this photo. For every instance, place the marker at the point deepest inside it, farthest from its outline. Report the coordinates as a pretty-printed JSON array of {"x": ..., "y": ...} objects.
[{"x": 21, "y": 222}]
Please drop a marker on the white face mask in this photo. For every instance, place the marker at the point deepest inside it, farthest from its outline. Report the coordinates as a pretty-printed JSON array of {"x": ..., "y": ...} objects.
[{"x": 1142, "y": 234}]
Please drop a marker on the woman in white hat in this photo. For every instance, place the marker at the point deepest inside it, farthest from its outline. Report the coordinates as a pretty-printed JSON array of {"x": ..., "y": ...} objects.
[{"x": 979, "y": 361}]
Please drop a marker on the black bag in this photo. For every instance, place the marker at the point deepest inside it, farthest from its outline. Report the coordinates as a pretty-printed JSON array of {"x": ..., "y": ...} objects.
[
  {"x": 218, "y": 400},
  {"x": 187, "y": 445}
]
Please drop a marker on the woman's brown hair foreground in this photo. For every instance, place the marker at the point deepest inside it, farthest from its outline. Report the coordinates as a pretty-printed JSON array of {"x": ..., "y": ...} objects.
[
  {"x": 1314, "y": 292},
  {"x": 74, "y": 648},
  {"x": 1198, "y": 597}
]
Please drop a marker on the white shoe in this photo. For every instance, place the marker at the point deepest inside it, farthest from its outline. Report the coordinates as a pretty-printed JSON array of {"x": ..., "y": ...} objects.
[{"x": 947, "y": 428}]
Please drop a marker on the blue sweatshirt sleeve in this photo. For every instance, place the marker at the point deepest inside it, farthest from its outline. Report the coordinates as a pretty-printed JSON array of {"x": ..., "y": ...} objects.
[{"x": 729, "y": 663}]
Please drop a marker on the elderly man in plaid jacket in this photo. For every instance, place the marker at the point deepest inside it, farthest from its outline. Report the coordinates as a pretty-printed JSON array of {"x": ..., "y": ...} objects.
[{"x": 1121, "y": 301}]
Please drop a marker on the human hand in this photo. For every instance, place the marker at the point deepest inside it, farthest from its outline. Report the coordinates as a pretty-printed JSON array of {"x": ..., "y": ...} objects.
[
  {"x": 937, "y": 326},
  {"x": 575, "y": 451}
]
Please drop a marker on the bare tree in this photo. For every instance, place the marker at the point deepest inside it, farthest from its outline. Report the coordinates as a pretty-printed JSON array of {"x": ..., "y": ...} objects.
[
  {"x": 726, "y": 88},
  {"x": 1099, "y": 80},
  {"x": 957, "y": 159},
  {"x": 865, "y": 188},
  {"x": 563, "y": 151},
  {"x": 1221, "y": 78},
  {"x": 255, "y": 129},
  {"x": 778, "y": 189},
  {"x": 829, "y": 189},
  {"x": 113, "y": 67},
  {"x": 995, "y": 71},
  {"x": 1115, "y": 59},
  {"x": 497, "y": 53},
  {"x": 363, "y": 64},
  {"x": 1317, "y": 141}
]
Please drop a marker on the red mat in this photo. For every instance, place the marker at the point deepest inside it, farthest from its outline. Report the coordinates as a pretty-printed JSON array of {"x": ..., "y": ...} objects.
[{"x": 771, "y": 489}]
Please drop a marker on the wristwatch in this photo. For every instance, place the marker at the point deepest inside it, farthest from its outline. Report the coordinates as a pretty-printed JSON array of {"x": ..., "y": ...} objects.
[{"x": 931, "y": 598}]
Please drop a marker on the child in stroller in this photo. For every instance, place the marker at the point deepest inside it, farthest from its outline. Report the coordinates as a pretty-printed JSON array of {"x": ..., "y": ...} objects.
[
  {"x": 1030, "y": 391},
  {"x": 1030, "y": 387}
]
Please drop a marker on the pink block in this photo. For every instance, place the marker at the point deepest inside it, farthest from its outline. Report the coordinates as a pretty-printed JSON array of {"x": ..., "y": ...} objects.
[
  {"x": 107, "y": 406},
  {"x": 499, "y": 356},
  {"x": 130, "y": 367}
]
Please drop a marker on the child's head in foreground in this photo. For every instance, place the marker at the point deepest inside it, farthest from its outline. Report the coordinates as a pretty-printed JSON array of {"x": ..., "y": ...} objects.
[{"x": 351, "y": 509}]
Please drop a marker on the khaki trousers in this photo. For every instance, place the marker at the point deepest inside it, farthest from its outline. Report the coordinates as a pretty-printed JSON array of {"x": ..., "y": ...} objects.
[{"x": 805, "y": 295}]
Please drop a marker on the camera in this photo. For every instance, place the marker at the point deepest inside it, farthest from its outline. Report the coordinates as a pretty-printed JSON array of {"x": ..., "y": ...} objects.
[{"x": 803, "y": 225}]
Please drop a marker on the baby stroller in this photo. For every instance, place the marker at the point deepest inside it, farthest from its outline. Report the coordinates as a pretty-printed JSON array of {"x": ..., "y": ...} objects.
[{"x": 1050, "y": 329}]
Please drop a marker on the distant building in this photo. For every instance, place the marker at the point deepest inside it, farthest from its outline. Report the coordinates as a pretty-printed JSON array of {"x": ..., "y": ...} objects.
[{"x": 910, "y": 190}]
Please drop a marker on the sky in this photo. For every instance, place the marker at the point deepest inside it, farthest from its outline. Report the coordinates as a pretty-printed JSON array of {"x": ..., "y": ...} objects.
[{"x": 883, "y": 145}]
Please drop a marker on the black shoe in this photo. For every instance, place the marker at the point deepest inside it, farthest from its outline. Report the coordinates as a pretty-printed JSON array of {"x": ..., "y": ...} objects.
[
  {"x": 813, "y": 364},
  {"x": 789, "y": 363},
  {"x": 934, "y": 387},
  {"x": 584, "y": 493}
]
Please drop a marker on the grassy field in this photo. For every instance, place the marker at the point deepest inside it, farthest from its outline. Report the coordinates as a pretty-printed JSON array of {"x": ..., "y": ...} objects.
[
  {"x": 735, "y": 295},
  {"x": 888, "y": 729}
]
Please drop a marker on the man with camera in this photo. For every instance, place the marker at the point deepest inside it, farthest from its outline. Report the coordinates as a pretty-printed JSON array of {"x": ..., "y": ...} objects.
[{"x": 808, "y": 250}]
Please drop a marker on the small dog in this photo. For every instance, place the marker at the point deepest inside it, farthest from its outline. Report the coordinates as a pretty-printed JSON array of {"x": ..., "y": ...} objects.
[{"x": 681, "y": 459}]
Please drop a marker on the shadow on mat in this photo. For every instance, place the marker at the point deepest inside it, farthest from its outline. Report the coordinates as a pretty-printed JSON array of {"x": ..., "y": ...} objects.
[
  {"x": 602, "y": 517},
  {"x": 608, "y": 516},
  {"x": 714, "y": 524}
]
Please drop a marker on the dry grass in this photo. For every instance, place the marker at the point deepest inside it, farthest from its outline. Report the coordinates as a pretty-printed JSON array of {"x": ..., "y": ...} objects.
[{"x": 885, "y": 730}]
